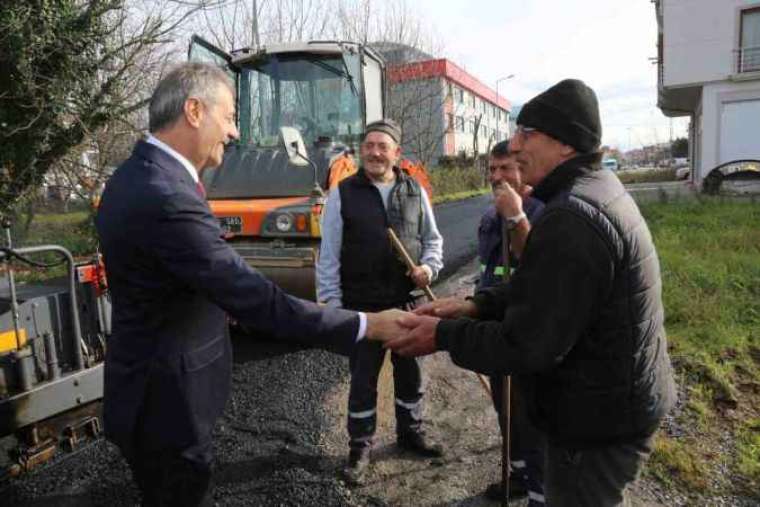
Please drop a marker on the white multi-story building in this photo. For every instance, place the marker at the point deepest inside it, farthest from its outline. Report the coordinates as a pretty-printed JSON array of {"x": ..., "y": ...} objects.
[
  {"x": 709, "y": 70},
  {"x": 444, "y": 110}
]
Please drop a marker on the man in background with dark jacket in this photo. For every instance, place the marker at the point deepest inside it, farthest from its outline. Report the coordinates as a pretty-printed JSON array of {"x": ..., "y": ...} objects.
[
  {"x": 512, "y": 212},
  {"x": 583, "y": 315}
]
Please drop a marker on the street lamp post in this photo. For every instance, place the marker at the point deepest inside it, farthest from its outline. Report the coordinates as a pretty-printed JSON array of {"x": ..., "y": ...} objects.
[{"x": 498, "y": 109}]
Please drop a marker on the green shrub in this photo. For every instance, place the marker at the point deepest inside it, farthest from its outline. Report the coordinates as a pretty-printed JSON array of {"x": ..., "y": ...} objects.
[
  {"x": 453, "y": 180},
  {"x": 74, "y": 231},
  {"x": 648, "y": 176}
]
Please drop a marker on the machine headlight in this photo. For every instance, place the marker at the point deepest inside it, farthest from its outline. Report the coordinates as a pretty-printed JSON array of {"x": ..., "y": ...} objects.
[{"x": 284, "y": 222}]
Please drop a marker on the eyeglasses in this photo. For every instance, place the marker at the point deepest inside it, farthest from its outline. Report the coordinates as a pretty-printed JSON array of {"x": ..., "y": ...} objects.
[{"x": 525, "y": 131}]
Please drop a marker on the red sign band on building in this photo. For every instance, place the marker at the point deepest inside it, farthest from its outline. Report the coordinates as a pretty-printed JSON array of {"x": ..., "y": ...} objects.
[{"x": 449, "y": 70}]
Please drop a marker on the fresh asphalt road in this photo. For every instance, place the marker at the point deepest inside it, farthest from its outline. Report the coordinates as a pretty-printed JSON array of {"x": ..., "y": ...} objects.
[
  {"x": 458, "y": 222},
  {"x": 268, "y": 445}
]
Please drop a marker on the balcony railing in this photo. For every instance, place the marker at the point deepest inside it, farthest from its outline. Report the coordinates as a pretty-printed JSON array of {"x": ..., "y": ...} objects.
[
  {"x": 660, "y": 75},
  {"x": 747, "y": 59}
]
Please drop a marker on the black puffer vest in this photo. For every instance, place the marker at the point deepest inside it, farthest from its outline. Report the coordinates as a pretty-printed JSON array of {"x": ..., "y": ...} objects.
[
  {"x": 372, "y": 275},
  {"x": 616, "y": 383}
]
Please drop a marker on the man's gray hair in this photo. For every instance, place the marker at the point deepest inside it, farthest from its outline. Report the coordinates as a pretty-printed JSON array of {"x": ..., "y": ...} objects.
[{"x": 187, "y": 80}]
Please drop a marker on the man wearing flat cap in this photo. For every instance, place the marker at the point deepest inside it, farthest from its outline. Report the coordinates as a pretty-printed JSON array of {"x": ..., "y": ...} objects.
[
  {"x": 582, "y": 317},
  {"x": 358, "y": 269}
]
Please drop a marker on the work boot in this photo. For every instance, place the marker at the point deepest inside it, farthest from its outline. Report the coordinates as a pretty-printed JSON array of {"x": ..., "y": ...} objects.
[
  {"x": 358, "y": 463},
  {"x": 517, "y": 490},
  {"x": 419, "y": 445}
]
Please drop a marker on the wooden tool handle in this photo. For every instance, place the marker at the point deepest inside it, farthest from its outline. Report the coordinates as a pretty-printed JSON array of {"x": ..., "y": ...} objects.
[
  {"x": 399, "y": 246},
  {"x": 506, "y": 394}
]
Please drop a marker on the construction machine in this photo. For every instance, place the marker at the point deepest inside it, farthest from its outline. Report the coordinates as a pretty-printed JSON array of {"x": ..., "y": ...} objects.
[
  {"x": 52, "y": 346},
  {"x": 53, "y": 334},
  {"x": 268, "y": 206}
]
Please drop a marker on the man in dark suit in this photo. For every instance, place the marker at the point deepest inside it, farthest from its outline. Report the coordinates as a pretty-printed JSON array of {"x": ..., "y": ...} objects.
[{"x": 173, "y": 280}]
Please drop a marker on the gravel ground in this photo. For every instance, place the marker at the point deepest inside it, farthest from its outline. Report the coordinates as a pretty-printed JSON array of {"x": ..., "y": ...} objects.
[
  {"x": 268, "y": 449},
  {"x": 282, "y": 441}
]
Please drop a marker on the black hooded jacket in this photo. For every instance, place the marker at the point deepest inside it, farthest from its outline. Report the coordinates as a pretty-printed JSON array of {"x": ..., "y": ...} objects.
[{"x": 583, "y": 315}]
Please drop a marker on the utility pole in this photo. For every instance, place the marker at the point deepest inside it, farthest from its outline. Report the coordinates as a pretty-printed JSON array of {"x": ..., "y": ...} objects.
[
  {"x": 255, "y": 26},
  {"x": 498, "y": 108}
]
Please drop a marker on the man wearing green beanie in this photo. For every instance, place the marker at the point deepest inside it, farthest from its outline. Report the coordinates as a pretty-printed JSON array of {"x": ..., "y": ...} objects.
[{"x": 582, "y": 316}]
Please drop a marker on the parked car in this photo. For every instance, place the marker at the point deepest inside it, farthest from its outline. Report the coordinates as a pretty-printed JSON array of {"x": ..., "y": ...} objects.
[
  {"x": 610, "y": 164},
  {"x": 735, "y": 177}
]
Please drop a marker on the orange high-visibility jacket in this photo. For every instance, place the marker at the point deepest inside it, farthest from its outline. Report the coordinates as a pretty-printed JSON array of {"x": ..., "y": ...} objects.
[{"x": 344, "y": 166}]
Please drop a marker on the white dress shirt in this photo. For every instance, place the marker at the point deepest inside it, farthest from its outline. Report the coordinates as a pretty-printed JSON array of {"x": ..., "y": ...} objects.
[{"x": 174, "y": 153}]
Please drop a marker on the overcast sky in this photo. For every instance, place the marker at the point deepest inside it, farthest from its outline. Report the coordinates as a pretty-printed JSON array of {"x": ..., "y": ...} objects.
[{"x": 606, "y": 43}]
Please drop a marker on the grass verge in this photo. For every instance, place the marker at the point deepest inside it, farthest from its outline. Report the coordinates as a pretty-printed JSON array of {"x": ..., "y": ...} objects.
[{"x": 710, "y": 258}]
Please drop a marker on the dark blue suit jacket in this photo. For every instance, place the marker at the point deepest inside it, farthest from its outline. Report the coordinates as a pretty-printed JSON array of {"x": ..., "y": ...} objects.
[{"x": 172, "y": 280}]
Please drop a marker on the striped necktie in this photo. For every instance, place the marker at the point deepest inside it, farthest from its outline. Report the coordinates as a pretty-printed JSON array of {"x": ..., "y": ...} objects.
[{"x": 201, "y": 190}]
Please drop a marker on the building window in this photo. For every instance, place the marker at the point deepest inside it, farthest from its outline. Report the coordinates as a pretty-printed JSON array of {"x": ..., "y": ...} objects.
[
  {"x": 459, "y": 124},
  {"x": 451, "y": 123},
  {"x": 458, "y": 95},
  {"x": 484, "y": 128},
  {"x": 749, "y": 41}
]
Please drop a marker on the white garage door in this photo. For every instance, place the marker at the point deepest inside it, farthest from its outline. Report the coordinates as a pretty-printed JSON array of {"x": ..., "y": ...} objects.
[{"x": 740, "y": 130}]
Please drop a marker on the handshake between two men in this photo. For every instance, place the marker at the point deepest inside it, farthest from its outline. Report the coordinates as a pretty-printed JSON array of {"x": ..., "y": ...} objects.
[{"x": 412, "y": 334}]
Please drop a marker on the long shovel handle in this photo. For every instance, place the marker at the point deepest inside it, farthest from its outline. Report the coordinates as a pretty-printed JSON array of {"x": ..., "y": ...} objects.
[
  {"x": 399, "y": 247},
  {"x": 506, "y": 410},
  {"x": 506, "y": 390}
]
